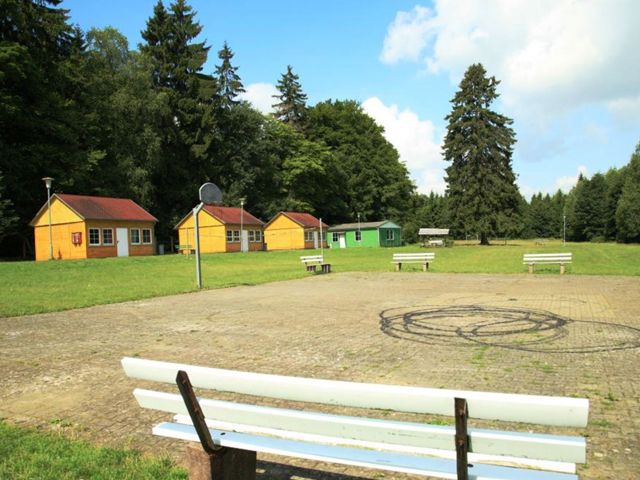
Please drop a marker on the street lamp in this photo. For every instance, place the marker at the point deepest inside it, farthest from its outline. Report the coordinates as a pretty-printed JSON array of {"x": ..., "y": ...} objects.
[
  {"x": 359, "y": 232},
  {"x": 564, "y": 230},
  {"x": 47, "y": 181},
  {"x": 242, "y": 224}
]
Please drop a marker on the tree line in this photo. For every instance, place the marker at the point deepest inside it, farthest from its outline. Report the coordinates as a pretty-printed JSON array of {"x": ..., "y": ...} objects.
[{"x": 150, "y": 124}]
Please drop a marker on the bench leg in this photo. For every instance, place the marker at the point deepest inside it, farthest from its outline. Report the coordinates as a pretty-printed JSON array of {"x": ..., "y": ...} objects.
[
  {"x": 425, "y": 266},
  {"x": 531, "y": 268},
  {"x": 398, "y": 267},
  {"x": 562, "y": 269},
  {"x": 311, "y": 268},
  {"x": 326, "y": 268},
  {"x": 225, "y": 464}
]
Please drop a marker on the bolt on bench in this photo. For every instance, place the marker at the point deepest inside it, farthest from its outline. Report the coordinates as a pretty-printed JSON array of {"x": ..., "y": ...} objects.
[
  {"x": 311, "y": 262},
  {"x": 423, "y": 258},
  {"x": 533, "y": 259},
  {"x": 231, "y": 433}
]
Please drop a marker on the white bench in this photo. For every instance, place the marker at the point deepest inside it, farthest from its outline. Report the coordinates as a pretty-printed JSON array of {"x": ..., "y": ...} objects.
[
  {"x": 532, "y": 259},
  {"x": 423, "y": 258},
  {"x": 436, "y": 243},
  {"x": 311, "y": 262},
  {"x": 242, "y": 429}
]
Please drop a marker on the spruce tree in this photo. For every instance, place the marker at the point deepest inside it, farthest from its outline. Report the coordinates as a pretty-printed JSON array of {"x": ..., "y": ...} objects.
[
  {"x": 479, "y": 143},
  {"x": 229, "y": 85},
  {"x": 292, "y": 105},
  {"x": 628, "y": 211}
]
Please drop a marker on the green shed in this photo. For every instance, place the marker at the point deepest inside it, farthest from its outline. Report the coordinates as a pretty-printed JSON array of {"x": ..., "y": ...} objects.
[{"x": 365, "y": 234}]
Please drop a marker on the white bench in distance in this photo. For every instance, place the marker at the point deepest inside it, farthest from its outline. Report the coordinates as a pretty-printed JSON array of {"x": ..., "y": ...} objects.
[
  {"x": 532, "y": 259},
  {"x": 243, "y": 429},
  {"x": 423, "y": 258},
  {"x": 311, "y": 262}
]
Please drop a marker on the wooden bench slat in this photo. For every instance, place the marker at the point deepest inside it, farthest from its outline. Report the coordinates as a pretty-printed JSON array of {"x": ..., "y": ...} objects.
[
  {"x": 537, "y": 446},
  {"x": 542, "y": 410},
  {"x": 390, "y": 461}
]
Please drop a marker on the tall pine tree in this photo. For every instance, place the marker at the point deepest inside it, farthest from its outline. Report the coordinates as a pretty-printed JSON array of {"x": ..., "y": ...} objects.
[
  {"x": 292, "y": 105},
  {"x": 483, "y": 197},
  {"x": 229, "y": 85}
]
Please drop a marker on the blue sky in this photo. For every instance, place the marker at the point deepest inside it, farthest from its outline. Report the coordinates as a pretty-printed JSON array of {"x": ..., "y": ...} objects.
[{"x": 570, "y": 71}]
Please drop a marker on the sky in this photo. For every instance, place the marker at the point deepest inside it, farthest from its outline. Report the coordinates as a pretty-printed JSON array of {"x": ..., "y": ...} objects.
[{"x": 569, "y": 69}]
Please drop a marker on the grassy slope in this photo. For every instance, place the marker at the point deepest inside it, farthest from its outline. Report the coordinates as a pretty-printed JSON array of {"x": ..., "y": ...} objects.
[
  {"x": 28, "y": 454},
  {"x": 30, "y": 287}
]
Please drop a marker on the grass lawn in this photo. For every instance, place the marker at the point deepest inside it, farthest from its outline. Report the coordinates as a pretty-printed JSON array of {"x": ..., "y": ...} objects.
[
  {"x": 35, "y": 287},
  {"x": 28, "y": 454}
]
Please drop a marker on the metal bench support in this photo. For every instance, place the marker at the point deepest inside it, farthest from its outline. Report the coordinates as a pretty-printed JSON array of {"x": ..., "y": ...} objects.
[
  {"x": 212, "y": 462},
  {"x": 462, "y": 438}
]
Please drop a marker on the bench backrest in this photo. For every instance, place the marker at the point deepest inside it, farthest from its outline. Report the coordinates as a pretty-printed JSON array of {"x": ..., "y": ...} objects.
[
  {"x": 297, "y": 424},
  {"x": 547, "y": 258},
  {"x": 425, "y": 256},
  {"x": 312, "y": 258}
]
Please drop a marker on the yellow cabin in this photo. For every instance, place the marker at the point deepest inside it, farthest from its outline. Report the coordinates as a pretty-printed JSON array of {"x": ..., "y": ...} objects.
[
  {"x": 91, "y": 227},
  {"x": 219, "y": 229},
  {"x": 294, "y": 230}
]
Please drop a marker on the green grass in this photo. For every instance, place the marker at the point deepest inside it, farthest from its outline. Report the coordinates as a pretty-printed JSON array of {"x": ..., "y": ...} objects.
[
  {"x": 36, "y": 287},
  {"x": 30, "y": 454}
]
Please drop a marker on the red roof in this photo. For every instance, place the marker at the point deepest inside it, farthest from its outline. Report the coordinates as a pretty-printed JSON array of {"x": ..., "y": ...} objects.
[
  {"x": 305, "y": 219},
  {"x": 232, "y": 215},
  {"x": 105, "y": 208}
]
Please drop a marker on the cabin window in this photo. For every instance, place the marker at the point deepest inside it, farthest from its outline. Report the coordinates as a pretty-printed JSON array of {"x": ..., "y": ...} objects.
[
  {"x": 135, "y": 236},
  {"x": 308, "y": 236},
  {"x": 146, "y": 236},
  {"x": 258, "y": 236},
  {"x": 229, "y": 236},
  {"x": 251, "y": 236},
  {"x": 390, "y": 234},
  {"x": 236, "y": 235},
  {"x": 335, "y": 236},
  {"x": 107, "y": 236},
  {"x": 358, "y": 236},
  {"x": 94, "y": 236}
]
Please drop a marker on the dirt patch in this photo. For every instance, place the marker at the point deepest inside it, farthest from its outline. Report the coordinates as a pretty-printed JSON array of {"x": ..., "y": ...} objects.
[{"x": 546, "y": 334}]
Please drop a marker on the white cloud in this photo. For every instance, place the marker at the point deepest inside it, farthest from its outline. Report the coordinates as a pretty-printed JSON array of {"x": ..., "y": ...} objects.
[
  {"x": 260, "y": 95},
  {"x": 407, "y": 36},
  {"x": 416, "y": 141},
  {"x": 551, "y": 56}
]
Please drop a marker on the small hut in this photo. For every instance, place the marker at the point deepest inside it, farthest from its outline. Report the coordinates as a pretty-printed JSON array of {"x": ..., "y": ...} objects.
[{"x": 434, "y": 237}]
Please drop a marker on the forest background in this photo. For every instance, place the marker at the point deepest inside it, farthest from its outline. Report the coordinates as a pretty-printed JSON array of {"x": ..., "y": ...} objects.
[{"x": 148, "y": 124}]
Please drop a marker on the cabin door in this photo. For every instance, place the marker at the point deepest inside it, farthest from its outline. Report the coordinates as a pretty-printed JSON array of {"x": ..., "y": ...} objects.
[
  {"x": 122, "y": 240},
  {"x": 244, "y": 244},
  {"x": 315, "y": 240},
  {"x": 342, "y": 240}
]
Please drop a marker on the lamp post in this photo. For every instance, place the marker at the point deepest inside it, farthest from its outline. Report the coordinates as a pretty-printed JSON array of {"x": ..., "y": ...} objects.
[
  {"x": 242, "y": 224},
  {"x": 47, "y": 181},
  {"x": 359, "y": 232},
  {"x": 564, "y": 230}
]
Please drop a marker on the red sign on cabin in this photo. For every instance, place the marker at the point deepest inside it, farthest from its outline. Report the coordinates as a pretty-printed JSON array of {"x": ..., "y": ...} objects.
[{"x": 76, "y": 238}]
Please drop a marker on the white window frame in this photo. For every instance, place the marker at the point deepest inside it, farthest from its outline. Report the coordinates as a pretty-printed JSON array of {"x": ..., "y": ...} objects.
[
  {"x": 104, "y": 241},
  {"x": 335, "y": 237},
  {"x": 150, "y": 236},
  {"x": 99, "y": 237},
  {"x": 358, "y": 236},
  {"x": 236, "y": 236},
  {"x": 229, "y": 236},
  {"x": 392, "y": 236},
  {"x": 131, "y": 230},
  {"x": 252, "y": 236},
  {"x": 258, "y": 236}
]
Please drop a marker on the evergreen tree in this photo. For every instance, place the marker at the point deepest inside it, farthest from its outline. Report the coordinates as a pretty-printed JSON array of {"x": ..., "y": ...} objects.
[
  {"x": 481, "y": 186},
  {"x": 615, "y": 179},
  {"x": 292, "y": 104},
  {"x": 628, "y": 211},
  {"x": 8, "y": 218},
  {"x": 182, "y": 122},
  {"x": 229, "y": 85},
  {"x": 590, "y": 209}
]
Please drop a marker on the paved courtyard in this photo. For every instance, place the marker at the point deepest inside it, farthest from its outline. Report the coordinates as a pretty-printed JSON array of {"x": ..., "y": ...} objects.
[{"x": 538, "y": 334}]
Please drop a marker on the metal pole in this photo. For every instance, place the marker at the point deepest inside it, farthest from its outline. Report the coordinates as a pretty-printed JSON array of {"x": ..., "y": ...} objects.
[
  {"x": 242, "y": 224},
  {"x": 359, "y": 232},
  {"x": 47, "y": 182},
  {"x": 196, "y": 235},
  {"x": 564, "y": 230},
  {"x": 321, "y": 242}
]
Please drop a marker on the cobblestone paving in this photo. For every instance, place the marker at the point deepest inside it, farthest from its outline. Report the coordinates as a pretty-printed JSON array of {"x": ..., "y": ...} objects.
[{"x": 536, "y": 334}]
